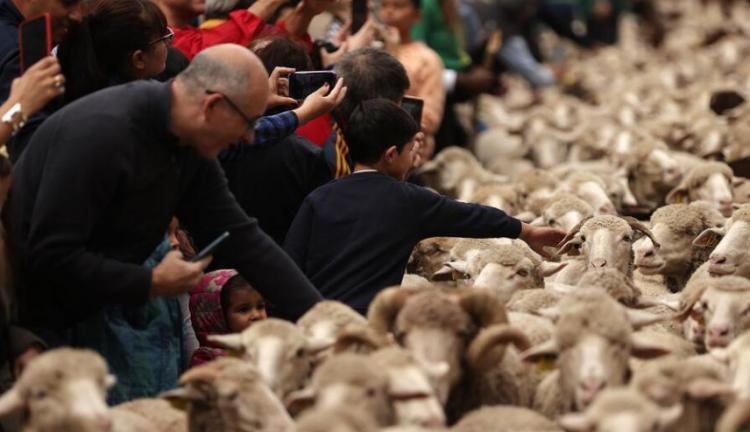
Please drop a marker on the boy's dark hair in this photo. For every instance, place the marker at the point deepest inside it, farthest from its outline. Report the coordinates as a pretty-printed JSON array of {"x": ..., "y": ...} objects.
[
  {"x": 235, "y": 283},
  {"x": 374, "y": 126},
  {"x": 370, "y": 73},
  {"x": 275, "y": 51}
]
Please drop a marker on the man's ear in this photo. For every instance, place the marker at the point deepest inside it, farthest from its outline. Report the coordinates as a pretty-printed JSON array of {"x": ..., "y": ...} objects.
[{"x": 209, "y": 104}]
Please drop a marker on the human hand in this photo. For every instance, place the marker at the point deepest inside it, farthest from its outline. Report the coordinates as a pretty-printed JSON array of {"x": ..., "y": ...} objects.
[
  {"x": 265, "y": 9},
  {"x": 174, "y": 275},
  {"x": 364, "y": 37},
  {"x": 417, "y": 160},
  {"x": 331, "y": 58},
  {"x": 316, "y": 7},
  {"x": 390, "y": 36},
  {"x": 41, "y": 83},
  {"x": 24, "y": 359},
  {"x": 318, "y": 103},
  {"x": 477, "y": 81},
  {"x": 279, "y": 85},
  {"x": 538, "y": 238}
]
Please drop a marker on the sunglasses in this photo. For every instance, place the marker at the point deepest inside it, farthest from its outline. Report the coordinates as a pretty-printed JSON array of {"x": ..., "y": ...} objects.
[
  {"x": 250, "y": 122},
  {"x": 167, "y": 38}
]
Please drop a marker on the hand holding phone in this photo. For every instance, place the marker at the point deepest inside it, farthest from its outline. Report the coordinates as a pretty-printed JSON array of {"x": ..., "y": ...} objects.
[{"x": 35, "y": 40}]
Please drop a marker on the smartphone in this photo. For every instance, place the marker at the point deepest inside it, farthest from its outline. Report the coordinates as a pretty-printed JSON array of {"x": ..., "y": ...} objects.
[
  {"x": 35, "y": 40},
  {"x": 359, "y": 15},
  {"x": 414, "y": 107},
  {"x": 208, "y": 250},
  {"x": 303, "y": 84}
]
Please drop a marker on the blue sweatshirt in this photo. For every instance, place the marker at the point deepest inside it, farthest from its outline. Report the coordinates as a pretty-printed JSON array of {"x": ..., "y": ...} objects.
[{"x": 352, "y": 237}]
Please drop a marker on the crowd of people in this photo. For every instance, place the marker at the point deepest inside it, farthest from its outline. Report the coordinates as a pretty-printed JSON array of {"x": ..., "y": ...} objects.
[{"x": 157, "y": 125}]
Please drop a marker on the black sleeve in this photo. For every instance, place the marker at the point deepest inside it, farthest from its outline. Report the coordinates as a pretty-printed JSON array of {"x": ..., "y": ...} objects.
[
  {"x": 435, "y": 215},
  {"x": 80, "y": 179},
  {"x": 209, "y": 209},
  {"x": 298, "y": 236}
]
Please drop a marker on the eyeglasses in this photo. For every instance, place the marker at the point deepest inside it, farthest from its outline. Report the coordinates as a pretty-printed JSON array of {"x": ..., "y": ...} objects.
[
  {"x": 167, "y": 38},
  {"x": 250, "y": 122}
]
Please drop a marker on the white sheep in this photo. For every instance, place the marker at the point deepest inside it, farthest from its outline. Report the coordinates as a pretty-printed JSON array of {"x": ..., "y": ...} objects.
[
  {"x": 279, "y": 350},
  {"x": 325, "y": 321},
  {"x": 730, "y": 254},
  {"x": 710, "y": 181},
  {"x": 229, "y": 395},
  {"x": 505, "y": 419},
  {"x": 675, "y": 227},
  {"x": 622, "y": 410}
]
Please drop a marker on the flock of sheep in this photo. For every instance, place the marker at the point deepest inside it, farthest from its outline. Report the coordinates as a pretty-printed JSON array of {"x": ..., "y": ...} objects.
[{"x": 633, "y": 325}]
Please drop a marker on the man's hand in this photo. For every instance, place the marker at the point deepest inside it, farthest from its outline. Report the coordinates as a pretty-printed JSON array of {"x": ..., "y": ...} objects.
[
  {"x": 318, "y": 103},
  {"x": 279, "y": 86},
  {"x": 331, "y": 58},
  {"x": 316, "y": 7},
  {"x": 477, "y": 81},
  {"x": 540, "y": 237},
  {"x": 174, "y": 275},
  {"x": 265, "y": 9}
]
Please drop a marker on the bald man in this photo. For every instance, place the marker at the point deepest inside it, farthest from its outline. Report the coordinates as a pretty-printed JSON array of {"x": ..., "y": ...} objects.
[{"x": 95, "y": 190}]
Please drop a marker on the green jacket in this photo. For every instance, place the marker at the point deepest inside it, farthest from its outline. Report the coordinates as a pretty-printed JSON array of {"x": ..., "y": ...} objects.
[{"x": 435, "y": 32}]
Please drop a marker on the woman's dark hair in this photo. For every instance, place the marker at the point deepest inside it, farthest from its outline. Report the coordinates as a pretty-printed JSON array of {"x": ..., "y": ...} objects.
[
  {"x": 275, "y": 51},
  {"x": 96, "y": 53},
  {"x": 374, "y": 126},
  {"x": 235, "y": 283}
]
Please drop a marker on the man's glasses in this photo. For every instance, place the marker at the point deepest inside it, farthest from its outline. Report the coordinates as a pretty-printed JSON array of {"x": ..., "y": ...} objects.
[
  {"x": 250, "y": 122},
  {"x": 167, "y": 38}
]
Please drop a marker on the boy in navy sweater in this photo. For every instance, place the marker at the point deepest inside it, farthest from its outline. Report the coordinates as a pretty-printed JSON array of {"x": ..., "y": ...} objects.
[{"x": 352, "y": 237}]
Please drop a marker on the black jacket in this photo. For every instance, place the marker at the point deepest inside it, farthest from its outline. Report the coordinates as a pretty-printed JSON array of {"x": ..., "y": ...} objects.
[{"x": 93, "y": 195}]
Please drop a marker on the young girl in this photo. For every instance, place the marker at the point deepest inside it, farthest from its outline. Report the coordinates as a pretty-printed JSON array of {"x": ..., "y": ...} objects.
[{"x": 223, "y": 302}]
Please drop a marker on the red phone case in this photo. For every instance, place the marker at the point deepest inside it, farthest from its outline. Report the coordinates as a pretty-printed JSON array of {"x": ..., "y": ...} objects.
[{"x": 48, "y": 32}]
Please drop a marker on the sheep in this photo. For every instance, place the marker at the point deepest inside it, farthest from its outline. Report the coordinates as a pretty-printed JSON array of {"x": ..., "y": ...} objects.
[
  {"x": 652, "y": 169},
  {"x": 439, "y": 328},
  {"x": 501, "y": 268},
  {"x": 161, "y": 415},
  {"x": 593, "y": 340},
  {"x": 429, "y": 256},
  {"x": 735, "y": 357},
  {"x": 326, "y": 320},
  {"x": 352, "y": 380},
  {"x": 697, "y": 382},
  {"x": 503, "y": 197},
  {"x": 409, "y": 388},
  {"x": 741, "y": 188},
  {"x": 710, "y": 181},
  {"x": 675, "y": 227},
  {"x": 505, "y": 419},
  {"x": 592, "y": 189},
  {"x": 735, "y": 417},
  {"x": 456, "y": 172},
  {"x": 535, "y": 183},
  {"x": 565, "y": 212},
  {"x": 229, "y": 395},
  {"x": 64, "y": 390},
  {"x": 622, "y": 410},
  {"x": 348, "y": 419},
  {"x": 723, "y": 304},
  {"x": 602, "y": 241},
  {"x": 729, "y": 256},
  {"x": 282, "y": 354}
]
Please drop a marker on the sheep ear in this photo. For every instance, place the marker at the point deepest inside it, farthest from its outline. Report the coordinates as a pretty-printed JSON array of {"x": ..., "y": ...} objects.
[
  {"x": 639, "y": 319},
  {"x": 538, "y": 221},
  {"x": 229, "y": 341},
  {"x": 577, "y": 422},
  {"x": 738, "y": 181},
  {"x": 667, "y": 416},
  {"x": 547, "y": 268},
  {"x": 449, "y": 269},
  {"x": 545, "y": 351},
  {"x": 526, "y": 216},
  {"x": 706, "y": 388},
  {"x": 181, "y": 397},
  {"x": 318, "y": 345},
  {"x": 645, "y": 349},
  {"x": 551, "y": 313},
  {"x": 709, "y": 238},
  {"x": 10, "y": 402},
  {"x": 678, "y": 195},
  {"x": 299, "y": 400}
]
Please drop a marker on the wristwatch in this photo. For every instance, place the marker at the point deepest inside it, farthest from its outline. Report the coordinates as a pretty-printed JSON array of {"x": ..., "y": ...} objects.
[{"x": 14, "y": 117}]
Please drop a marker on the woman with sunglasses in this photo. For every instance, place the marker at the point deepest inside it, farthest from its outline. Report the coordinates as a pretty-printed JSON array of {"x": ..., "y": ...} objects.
[{"x": 118, "y": 41}]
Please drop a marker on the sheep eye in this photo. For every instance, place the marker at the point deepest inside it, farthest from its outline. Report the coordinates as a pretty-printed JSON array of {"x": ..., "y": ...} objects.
[
  {"x": 583, "y": 238},
  {"x": 300, "y": 352},
  {"x": 627, "y": 238},
  {"x": 522, "y": 273},
  {"x": 551, "y": 222},
  {"x": 370, "y": 392},
  {"x": 40, "y": 394}
]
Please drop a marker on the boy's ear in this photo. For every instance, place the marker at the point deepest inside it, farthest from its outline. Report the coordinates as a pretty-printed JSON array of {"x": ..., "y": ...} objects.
[{"x": 390, "y": 154}]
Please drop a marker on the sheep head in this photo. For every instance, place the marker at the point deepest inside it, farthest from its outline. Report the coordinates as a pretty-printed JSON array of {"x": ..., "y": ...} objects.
[
  {"x": 709, "y": 181},
  {"x": 723, "y": 307},
  {"x": 62, "y": 390},
  {"x": 730, "y": 255}
]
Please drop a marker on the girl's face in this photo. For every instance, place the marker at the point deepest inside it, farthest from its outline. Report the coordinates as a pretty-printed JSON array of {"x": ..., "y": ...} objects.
[{"x": 245, "y": 307}]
